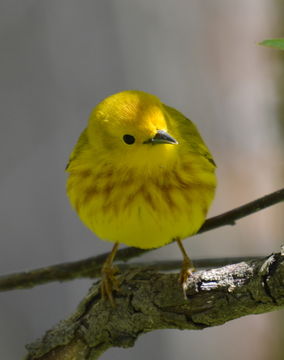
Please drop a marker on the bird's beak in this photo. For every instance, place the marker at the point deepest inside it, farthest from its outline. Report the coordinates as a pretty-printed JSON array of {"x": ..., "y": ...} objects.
[{"x": 161, "y": 137}]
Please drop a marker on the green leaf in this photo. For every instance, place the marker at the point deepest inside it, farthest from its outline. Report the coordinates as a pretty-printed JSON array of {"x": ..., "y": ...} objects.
[{"x": 274, "y": 43}]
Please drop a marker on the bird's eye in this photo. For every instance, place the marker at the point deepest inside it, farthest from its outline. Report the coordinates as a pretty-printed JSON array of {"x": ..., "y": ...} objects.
[{"x": 129, "y": 139}]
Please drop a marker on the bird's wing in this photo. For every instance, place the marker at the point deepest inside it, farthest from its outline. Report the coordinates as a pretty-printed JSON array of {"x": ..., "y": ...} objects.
[
  {"x": 81, "y": 143},
  {"x": 188, "y": 131}
]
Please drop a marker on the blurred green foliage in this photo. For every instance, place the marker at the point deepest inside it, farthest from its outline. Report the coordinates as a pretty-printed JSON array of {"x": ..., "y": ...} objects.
[{"x": 274, "y": 43}]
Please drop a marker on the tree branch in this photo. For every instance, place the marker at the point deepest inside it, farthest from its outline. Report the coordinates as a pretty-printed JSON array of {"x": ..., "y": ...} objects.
[
  {"x": 91, "y": 267},
  {"x": 148, "y": 301},
  {"x": 230, "y": 217}
]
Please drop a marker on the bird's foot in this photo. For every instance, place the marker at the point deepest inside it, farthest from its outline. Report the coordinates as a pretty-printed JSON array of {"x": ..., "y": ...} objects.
[
  {"x": 185, "y": 273},
  {"x": 109, "y": 282}
]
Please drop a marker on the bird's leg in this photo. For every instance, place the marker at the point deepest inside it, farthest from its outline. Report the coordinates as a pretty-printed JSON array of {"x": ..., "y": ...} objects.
[
  {"x": 109, "y": 281},
  {"x": 187, "y": 268}
]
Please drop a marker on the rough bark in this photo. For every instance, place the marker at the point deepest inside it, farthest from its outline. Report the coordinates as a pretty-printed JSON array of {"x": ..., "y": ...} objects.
[{"x": 148, "y": 300}]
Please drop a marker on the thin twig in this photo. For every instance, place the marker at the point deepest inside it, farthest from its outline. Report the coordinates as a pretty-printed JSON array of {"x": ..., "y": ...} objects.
[
  {"x": 230, "y": 217},
  {"x": 90, "y": 267}
]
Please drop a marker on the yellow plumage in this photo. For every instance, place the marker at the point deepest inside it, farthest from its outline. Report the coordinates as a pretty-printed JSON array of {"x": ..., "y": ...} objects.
[{"x": 140, "y": 173}]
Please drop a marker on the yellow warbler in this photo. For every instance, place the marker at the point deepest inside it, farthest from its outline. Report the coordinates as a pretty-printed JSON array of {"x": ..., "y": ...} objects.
[{"x": 140, "y": 174}]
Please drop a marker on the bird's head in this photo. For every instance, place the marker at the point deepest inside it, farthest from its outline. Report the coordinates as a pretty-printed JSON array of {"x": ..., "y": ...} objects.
[{"x": 132, "y": 126}]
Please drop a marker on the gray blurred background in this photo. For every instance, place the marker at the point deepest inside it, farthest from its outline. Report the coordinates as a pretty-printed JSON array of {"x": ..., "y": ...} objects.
[{"x": 58, "y": 59}]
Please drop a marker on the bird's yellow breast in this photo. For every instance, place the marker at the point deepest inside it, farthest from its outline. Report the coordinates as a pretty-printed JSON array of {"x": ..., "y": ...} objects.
[{"x": 145, "y": 209}]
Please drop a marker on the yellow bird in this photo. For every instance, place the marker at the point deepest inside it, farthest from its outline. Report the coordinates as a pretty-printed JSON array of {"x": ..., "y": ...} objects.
[{"x": 141, "y": 175}]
